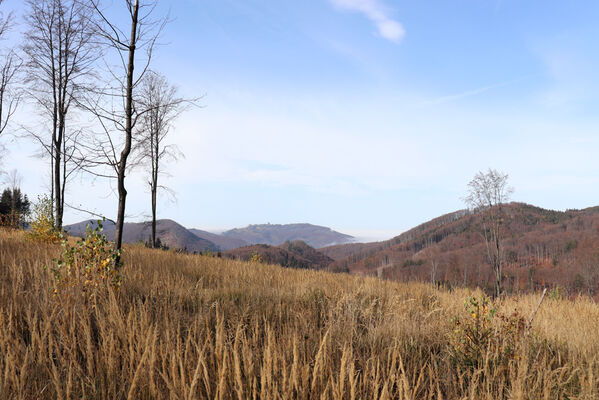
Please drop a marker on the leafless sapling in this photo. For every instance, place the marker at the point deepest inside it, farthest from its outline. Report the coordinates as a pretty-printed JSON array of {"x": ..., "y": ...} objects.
[{"x": 162, "y": 105}]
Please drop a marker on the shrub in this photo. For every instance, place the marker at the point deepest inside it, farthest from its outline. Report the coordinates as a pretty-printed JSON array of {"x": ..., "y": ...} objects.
[
  {"x": 88, "y": 267},
  {"x": 256, "y": 257},
  {"x": 42, "y": 223},
  {"x": 557, "y": 293},
  {"x": 486, "y": 336},
  {"x": 570, "y": 245}
]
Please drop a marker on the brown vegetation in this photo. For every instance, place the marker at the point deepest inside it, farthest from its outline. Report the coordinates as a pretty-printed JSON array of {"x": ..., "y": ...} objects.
[
  {"x": 187, "y": 326},
  {"x": 293, "y": 254},
  {"x": 541, "y": 248}
]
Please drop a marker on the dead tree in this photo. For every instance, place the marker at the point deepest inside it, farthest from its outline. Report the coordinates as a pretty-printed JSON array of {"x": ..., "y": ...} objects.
[
  {"x": 114, "y": 105},
  {"x": 60, "y": 50},
  {"x": 162, "y": 106},
  {"x": 487, "y": 192}
]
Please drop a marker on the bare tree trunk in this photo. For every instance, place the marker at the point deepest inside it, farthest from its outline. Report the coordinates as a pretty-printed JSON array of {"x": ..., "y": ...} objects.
[
  {"x": 498, "y": 272},
  {"x": 154, "y": 216},
  {"x": 64, "y": 182},
  {"x": 52, "y": 177},
  {"x": 57, "y": 182},
  {"x": 154, "y": 189},
  {"x": 120, "y": 220}
]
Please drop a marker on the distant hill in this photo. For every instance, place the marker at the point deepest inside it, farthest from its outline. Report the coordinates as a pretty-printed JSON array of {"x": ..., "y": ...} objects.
[
  {"x": 542, "y": 248},
  {"x": 176, "y": 236},
  {"x": 222, "y": 242},
  {"x": 274, "y": 234},
  {"x": 296, "y": 254},
  {"x": 170, "y": 233}
]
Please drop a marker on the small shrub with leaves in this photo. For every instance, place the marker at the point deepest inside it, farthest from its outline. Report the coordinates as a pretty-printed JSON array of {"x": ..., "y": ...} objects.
[
  {"x": 557, "y": 293},
  {"x": 256, "y": 257},
  {"x": 42, "y": 222},
  {"x": 88, "y": 267},
  {"x": 486, "y": 335}
]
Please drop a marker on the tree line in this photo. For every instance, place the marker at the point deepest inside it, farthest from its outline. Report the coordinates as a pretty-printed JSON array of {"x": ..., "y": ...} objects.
[{"x": 85, "y": 67}]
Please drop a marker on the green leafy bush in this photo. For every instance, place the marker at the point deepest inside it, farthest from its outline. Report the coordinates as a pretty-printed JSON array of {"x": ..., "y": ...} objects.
[
  {"x": 42, "y": 223},
  {"x": 89, "y": 267},
  {"x": 486, "y": 336}
]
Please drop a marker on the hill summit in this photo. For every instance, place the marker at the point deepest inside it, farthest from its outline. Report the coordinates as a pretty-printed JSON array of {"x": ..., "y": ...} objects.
[{"x": 276, "y": 234}]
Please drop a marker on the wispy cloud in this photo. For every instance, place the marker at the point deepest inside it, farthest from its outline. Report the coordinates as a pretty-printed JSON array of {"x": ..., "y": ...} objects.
[
  {"x": 387, "y": 27},
  {"x": 469, "y": 93}
]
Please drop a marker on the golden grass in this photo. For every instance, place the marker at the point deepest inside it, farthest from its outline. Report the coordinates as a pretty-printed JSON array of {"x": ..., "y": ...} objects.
[{"x": 188, "y": 327}]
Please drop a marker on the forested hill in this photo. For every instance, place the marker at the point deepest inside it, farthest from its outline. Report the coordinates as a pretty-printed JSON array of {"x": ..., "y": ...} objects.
[
  {"x": 276, "y": 234},
  {"x": 542, "y": 248},
  {"x": 169, "y": 232},
  {"x": 293, "y": 254}
]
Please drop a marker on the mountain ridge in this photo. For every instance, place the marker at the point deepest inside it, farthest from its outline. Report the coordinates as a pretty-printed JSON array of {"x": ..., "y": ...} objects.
[{"x": 175, "y": 235}]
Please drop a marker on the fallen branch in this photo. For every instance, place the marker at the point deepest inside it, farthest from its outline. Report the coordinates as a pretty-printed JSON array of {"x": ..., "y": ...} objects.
[{"x": 538, "y": 306}]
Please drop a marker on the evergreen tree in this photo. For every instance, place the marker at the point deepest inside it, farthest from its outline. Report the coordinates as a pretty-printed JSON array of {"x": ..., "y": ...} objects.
[{"x": 14, "y": 207}]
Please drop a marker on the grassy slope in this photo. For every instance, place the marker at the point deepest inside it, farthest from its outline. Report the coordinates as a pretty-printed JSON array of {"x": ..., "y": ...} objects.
[{"x": 185, "y": 326}]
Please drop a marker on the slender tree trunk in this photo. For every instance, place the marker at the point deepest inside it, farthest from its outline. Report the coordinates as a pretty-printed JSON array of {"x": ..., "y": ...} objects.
[
  {"x": 154, "y": 184},
  {"x": 153, "y": 216},
  {"x": 497, "y": 260},
  {"x": 64, "y": 180},
  {"x": 55, "y": 178},
  {"x": 52, "y": 177},
  {"x": 58, "y": 151},
  {"x": 128, "y": 135}
]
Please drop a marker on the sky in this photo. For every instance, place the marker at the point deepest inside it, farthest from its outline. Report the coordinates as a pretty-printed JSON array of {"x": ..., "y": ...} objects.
[{"x": 367, "y": 116}]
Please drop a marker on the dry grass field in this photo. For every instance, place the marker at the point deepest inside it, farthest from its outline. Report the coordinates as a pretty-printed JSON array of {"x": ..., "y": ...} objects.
[{"x": 194, "y": 327}]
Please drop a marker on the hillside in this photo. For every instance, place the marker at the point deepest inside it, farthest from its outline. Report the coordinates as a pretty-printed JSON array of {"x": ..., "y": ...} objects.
[
  {"x": 542, "y": 248},
  {"x": 170, "y": 233},
  {"x": 275, "y": 235},
  {"x": 296, "y": 254},
  {"x": 197, "y": 327},
  {"x": 221, "y": 242}
]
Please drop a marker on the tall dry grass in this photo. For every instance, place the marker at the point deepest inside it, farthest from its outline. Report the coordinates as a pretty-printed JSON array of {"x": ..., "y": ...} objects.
[{"x": 188, "y": 327}]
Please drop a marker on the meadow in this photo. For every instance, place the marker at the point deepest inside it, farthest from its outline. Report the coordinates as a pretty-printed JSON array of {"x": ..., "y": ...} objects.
[{"x": 197, "y": 327}]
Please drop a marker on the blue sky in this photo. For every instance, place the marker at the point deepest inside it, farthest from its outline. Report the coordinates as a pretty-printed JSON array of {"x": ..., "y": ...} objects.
[{"x": 367, "y": 116}]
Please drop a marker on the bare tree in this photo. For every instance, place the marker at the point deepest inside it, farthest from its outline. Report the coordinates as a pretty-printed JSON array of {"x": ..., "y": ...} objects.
[
  {"x": 114, "y": 105},
  {"x": 487, "y": 192},
  {"x": 60, "y": 50},
  {"x": 9, "y": 66},
  {"x": 163, "y": 106},
  {"x": 9, "y": 96}
]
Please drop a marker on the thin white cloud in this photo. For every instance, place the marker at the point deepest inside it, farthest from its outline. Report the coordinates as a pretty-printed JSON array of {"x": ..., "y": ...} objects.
[
  {"x": 387, "y": 27},
  {"x": 463, "y": 95},
  {"x": 469, "y": 93}
]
